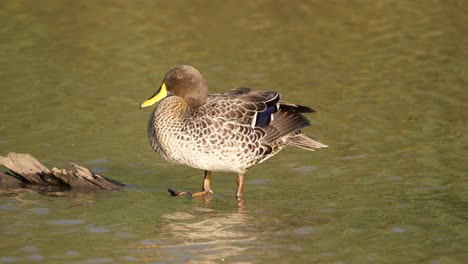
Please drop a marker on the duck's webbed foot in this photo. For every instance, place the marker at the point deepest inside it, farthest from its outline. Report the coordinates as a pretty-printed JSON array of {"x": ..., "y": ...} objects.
[
  {"x": 206, "y": 190},
  {"x": 176, "y": 193},
  {"x": 189, "y": 194}
]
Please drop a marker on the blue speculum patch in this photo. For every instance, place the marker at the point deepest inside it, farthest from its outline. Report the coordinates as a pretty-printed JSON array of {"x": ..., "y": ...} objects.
[{"x": 264, "y": 118}]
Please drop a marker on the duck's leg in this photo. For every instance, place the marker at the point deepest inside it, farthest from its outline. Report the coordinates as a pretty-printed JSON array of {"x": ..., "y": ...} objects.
[
  {"x": 206, "y": 182},
  {"x": 240, "y": 185},
  {"x": 206, "y": 190}
]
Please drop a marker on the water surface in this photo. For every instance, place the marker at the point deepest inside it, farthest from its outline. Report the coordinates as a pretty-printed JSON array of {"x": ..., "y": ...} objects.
[{"x": 389, "y": 82}]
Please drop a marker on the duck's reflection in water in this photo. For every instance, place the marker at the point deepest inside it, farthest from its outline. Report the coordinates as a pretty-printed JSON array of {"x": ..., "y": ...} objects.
[{"x": 215, "y": 238}]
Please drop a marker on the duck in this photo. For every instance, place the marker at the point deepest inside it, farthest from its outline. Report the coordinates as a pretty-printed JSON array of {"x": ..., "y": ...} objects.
[{"x": 230, "y": 131}]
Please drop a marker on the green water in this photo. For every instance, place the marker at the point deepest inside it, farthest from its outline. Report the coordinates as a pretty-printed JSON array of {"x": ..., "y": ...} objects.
[{"x": 389, "y": 80}]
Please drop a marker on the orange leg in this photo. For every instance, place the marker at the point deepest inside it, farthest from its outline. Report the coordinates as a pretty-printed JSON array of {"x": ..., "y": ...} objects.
[
  {"x": 206, "y": 190},
  {"x": 240, "y": 185},
  {"x": 206, "y": 182}
]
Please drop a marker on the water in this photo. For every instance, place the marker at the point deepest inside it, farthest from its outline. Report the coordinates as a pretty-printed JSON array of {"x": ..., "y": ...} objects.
[{"x": 389, "y": 82}]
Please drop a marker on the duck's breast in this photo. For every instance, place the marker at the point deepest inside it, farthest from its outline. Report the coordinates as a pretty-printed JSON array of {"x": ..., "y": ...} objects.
[{"x": 204, "y": 141}]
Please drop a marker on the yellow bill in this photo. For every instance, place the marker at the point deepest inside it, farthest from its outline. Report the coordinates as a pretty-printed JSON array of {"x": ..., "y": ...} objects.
[{"x": 160, "y": 94}]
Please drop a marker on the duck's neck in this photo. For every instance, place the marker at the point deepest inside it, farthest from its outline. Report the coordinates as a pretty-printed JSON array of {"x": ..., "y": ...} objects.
[
  {"x": 177, "y": 107},
  {"x": 195, "y": 102}
]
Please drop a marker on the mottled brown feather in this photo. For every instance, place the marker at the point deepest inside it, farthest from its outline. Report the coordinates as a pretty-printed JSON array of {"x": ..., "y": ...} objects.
[{"x": 218, "y": 132}]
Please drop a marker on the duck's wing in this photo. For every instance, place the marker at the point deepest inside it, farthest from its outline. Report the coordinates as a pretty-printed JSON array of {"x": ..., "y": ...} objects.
[
  {"x": 245, "y": 106},
  {"x": 260, "y": 110},
  {"x": 288, "y": 119}
]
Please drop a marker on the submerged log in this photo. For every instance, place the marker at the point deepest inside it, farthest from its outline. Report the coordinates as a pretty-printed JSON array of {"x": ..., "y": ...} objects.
[{"x": 25, "y": 171}]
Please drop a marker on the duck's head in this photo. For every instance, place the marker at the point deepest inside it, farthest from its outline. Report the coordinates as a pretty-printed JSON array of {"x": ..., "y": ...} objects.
[{"x": 183, "y": 81}]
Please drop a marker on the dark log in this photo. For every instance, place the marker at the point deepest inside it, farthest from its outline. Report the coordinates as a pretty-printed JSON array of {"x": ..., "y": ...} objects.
[{"x": 26, "y": 171}]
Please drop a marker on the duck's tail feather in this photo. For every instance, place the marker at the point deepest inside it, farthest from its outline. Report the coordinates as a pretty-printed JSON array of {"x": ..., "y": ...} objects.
[
  {"x": 287, "y": 120},
  {"x": 305, "y": 142}
]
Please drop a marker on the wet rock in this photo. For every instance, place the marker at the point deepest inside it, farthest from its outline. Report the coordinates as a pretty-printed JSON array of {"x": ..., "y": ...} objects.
[{"x": 26, "y": 171}]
